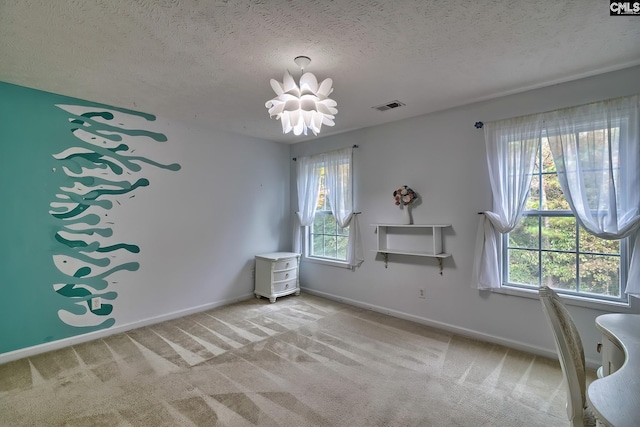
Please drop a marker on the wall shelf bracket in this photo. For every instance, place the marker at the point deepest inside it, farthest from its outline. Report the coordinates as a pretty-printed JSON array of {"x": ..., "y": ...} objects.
[{"x": 386, "y": 259}]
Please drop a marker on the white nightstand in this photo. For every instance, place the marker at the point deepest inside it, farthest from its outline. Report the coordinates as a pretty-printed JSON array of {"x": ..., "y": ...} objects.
[{"x": 277, "y": 275}]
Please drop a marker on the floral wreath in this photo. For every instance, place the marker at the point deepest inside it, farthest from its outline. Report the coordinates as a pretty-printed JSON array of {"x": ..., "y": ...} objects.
[{"x": 404, "y": 196}]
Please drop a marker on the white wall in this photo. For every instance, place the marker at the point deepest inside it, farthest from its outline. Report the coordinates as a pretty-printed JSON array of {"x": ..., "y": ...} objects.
[
  {"x": 228, "y": 202},
  {"x": 442, "y": 157}
]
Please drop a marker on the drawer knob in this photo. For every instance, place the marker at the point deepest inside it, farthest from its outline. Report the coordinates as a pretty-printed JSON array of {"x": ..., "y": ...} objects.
[
  {"x": 286, "y": 276},
  {"x": 599, "y": 347},
  {"x": 286, "y": 286},
  {"x": 287, "y": 265}
]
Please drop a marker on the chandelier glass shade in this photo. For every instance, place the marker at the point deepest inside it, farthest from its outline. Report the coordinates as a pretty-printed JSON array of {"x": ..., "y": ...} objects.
[{"x": 302, "y": 106}]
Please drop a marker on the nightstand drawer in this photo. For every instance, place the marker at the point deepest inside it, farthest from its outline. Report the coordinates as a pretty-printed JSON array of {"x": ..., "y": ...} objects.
[
  {"x": 285, "y": 275},
  {"x": 285, "y": 264},
  {"x": 286, "y": 285}
]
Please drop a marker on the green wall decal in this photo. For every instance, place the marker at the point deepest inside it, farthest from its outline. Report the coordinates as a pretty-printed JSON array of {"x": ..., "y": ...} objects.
[
  {"x": 96, "y": 149},
  {"x": 65, "y": 164}
]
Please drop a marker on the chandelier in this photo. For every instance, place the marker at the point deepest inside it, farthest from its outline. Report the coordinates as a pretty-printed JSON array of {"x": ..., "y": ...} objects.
[{"x": 304, "y": 106}]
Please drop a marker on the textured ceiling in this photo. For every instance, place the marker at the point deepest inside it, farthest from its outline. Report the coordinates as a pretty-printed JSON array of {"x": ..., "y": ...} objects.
[{"x": 211, "y": 61}]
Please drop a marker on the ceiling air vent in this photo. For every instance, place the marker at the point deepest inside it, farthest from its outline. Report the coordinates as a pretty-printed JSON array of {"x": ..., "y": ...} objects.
[{"x": 389, "y": 105}]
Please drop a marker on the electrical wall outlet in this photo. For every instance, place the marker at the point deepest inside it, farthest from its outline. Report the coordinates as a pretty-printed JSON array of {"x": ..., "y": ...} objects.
[
  {"x": 96, "y": 303},
  {"x": 422, "y": 293}
]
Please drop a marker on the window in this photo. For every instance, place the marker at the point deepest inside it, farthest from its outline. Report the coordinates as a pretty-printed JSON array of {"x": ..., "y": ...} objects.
[
  {"x": 549, "y": 247},
  {"x": 533, "y": 235},
  {"x": 325, "y": 209},
  {"x": 326, "y": 239}
]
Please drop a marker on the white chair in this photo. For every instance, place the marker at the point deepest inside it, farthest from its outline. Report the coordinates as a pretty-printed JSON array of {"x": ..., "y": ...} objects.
[{"x": 571, "y": 356}]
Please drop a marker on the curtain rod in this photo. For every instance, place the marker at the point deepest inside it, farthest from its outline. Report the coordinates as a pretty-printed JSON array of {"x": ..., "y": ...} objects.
[
  {"x": 354, "y": 146},
  {"x": 355, "y": 213},
  {"x": 479, "y": 125}
]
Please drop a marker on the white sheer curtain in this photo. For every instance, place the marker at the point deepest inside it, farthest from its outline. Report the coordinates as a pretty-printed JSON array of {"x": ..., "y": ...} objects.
[
  {"x": 339, "y": 184},
  {"x": 338, "y": 167},
  {"x": 308, "y": 183},
  {"x": 596, "y": 150},
  {"x": 511, "y": 152}
]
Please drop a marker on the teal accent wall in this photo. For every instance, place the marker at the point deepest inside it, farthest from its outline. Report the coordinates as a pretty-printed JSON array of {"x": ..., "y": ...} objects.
[{"x": 64, "y": 163}]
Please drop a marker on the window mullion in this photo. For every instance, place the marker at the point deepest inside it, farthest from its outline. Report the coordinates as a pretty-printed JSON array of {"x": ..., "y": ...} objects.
[
  {"x": 539, "y": 251},
  {"x": 540, "y": 176},
  {"x": 577, "y": 288},
  {"x": 324, "y": 232},
  {"x": 578, "y": 251}
]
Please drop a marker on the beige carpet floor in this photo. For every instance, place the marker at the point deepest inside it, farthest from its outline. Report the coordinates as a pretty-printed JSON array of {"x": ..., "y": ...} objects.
[{"x": 303, "y": 361}]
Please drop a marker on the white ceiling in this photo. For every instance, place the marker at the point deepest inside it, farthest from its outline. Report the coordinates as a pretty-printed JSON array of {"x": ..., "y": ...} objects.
[{"x": 211, "y": 61}]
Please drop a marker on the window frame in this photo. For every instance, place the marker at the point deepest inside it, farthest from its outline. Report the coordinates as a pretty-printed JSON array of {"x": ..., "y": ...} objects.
[{"x": 572, "y": 297}]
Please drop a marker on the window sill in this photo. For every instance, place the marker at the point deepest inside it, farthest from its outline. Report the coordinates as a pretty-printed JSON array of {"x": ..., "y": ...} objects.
[
  {"x": 608, "y": 306},
  {"x": 328, "y": 262}
]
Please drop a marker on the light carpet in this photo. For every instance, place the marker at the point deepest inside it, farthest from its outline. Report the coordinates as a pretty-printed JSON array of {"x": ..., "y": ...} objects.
[{"x": 303, "y": 361}]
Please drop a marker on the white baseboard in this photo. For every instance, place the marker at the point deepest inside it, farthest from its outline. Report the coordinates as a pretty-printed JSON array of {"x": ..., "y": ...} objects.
[
  {"x": 470, "y": 333},
  {"x": 66, "y": 342}
]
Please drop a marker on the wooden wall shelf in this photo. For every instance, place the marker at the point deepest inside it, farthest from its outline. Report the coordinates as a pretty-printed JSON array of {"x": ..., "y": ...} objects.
[{"x": 423, "y": 240}]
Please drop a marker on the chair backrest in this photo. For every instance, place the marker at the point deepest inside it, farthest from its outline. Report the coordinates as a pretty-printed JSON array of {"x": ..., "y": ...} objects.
[{"x": 570, "y": 352}]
